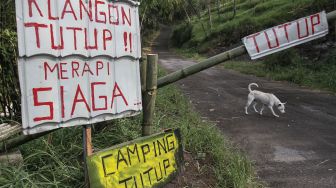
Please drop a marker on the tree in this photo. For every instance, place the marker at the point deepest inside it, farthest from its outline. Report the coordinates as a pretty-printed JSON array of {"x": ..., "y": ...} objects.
[
  {"x": 9, "y": 80},
  {"x": 153, "y": 12},
  {"x": 197, "y": 13},
  {"x": 234, "y": 8},
  {"x": 209, "y": 13},
  {"x": 218, "y": 7}
]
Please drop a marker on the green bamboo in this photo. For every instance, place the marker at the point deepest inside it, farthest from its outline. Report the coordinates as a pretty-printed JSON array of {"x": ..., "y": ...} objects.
[
  {"x": 212, "y": 61},
  {"x": 149, "y": 95},
  {"x": 143, "y": 74},
  {"x": 22, "y": 139},
  {"x": 331, "y": 16}
]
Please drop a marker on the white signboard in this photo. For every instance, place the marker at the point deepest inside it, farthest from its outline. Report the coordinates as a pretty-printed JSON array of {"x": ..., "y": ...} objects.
[
  {"x": 286, "y": 35},
  {"x": 79, "y": 62}
]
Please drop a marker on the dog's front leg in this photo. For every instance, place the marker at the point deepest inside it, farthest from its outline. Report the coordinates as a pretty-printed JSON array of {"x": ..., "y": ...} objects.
[
  {"x": 271, "y": 108},
  {"x": 249, "y": 102}
]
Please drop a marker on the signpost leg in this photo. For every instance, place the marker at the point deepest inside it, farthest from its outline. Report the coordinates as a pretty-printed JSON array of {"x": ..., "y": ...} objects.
[
  {"x": 149, "y": 95},
  {"x": 87, "y": 149}
]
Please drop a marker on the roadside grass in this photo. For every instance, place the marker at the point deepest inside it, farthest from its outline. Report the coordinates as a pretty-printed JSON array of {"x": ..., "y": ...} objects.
[
  {"x": 289, "y": 66},
  {"x": 187, "y": 53}
]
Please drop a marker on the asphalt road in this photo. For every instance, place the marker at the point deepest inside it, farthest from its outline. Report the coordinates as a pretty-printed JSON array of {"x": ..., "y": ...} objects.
[{"x": 296, "y": 150}]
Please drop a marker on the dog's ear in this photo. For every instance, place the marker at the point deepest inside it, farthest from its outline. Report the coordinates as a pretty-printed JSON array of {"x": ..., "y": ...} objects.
[{"x": 284, "y": 103}]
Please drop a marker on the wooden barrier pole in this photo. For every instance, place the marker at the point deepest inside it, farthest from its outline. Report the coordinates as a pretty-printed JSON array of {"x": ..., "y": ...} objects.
[
  {"x": 143, "y": 76},
  {"x": 87, "y": 150},
  {"x": 212, "y": 61},
  {"x": 149, "y": 95}
]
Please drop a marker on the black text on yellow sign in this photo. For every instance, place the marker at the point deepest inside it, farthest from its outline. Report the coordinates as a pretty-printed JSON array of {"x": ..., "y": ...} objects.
[{"x": 146, "y": 162}]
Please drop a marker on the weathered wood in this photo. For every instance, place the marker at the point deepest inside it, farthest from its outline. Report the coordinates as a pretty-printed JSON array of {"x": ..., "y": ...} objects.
[
  {"x": 212, "y": 61},
  {"x": 87, "y": 148},
  {"x": 87, "y": 139},
  {"x": 143, "y": 74},
  {"x": 149, "y": 95}
]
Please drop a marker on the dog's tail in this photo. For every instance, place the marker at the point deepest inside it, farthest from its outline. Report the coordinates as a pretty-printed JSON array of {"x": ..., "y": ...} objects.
[{"x": 252, "y": 84}]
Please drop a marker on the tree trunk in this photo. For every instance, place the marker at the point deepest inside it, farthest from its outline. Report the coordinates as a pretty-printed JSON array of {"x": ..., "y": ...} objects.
[
  {"x": 234, "y": 8},
  {"x": 186, "y": 12},
  {"x": 218, "y": 7},
  {"x": 209, "y": 12},
  {"x": 198, "y": 16}
]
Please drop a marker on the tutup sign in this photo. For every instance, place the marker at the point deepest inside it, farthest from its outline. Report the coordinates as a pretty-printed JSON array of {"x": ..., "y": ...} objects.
[
  {"x": 286, "y": 35},
  {"x": 147, "y": 162},
  {"x": 78, "y": 62}
]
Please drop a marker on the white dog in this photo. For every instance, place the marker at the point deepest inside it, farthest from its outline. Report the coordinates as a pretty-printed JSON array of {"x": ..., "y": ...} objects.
[{"x": 267, "y": 99}]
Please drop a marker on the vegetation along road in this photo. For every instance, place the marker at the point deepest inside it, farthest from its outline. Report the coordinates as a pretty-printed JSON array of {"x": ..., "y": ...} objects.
[{"x": 296, "y": 150}]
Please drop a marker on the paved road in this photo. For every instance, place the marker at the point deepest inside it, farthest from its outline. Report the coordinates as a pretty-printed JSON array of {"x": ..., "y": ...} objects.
[{"x": 296, "y": 150}]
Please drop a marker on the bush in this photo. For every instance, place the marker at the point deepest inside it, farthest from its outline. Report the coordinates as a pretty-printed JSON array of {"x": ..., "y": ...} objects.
[
  {"x": 9, "y": 81},
  {"x": 181, "y": 35},
  {"x": 286, "y": 58}
]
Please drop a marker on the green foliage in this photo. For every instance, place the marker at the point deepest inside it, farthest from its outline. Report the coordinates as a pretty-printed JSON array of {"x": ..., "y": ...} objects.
[
  {"x": 287, "y": 58},
  {"x": 181, "y": 35},
  {"x": 153, "y": 12},
  {"x": 251, "y": 16},
  {"x": 7, "y": 15},
  {"x": 9, "y": 80}
]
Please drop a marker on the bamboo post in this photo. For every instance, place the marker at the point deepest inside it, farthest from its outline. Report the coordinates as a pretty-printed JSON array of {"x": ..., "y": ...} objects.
[
  {"x": 143, "y": 74},
  {"x": 87, "y": 149},
  {"x": 149, "y": 95}
]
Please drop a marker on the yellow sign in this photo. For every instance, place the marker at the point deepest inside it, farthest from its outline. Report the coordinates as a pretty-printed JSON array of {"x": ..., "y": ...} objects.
[{"x": 146, "y": 162}]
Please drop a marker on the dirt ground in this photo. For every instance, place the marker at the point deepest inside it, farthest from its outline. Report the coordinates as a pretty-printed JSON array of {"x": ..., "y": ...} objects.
[{"x": 296, "y": 150}]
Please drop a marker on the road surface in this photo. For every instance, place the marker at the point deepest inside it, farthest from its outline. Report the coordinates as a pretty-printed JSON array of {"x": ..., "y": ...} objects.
[{"x": 296, "y": 150}]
